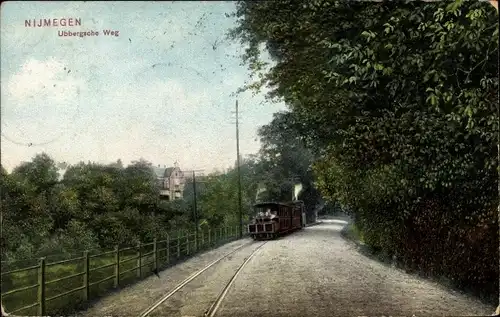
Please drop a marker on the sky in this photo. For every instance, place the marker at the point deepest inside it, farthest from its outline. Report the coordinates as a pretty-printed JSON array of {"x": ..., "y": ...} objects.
[{"x": 161, "y": 90}]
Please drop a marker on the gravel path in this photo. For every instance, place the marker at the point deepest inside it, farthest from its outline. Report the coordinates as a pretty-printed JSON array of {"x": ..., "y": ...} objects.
[{"x": 315, "y": 272}]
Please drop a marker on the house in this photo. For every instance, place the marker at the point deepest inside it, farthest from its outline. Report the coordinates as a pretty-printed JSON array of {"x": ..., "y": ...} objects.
[{"x": 171, "y": 181}]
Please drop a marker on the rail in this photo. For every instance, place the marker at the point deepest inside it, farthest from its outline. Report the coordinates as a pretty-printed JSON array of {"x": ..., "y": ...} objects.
[{"x": 84, "y": 278}]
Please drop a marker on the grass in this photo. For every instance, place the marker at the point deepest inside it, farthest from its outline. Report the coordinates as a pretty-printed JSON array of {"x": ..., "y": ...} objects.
[
  {"x": 76, "y": 264},
  {"x": 351, "y": 232}
]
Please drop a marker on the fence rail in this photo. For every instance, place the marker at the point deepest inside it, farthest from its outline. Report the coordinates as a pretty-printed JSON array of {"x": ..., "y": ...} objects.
[{"x": 89, "y": 272}]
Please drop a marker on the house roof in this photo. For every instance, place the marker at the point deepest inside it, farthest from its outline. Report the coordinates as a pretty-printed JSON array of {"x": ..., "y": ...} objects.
[
  {"x": 163, "y": 172},
  {"x": 168, "y": 171},
  {"x": 159, "y": 171}
]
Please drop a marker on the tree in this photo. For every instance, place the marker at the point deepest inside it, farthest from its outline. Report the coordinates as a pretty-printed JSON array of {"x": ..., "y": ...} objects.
[
  {"x": 398, "y": 101},
  {"x": 140, "y": 188},
  {"x": 27, "y": 219},
  {"x": 286, "y": 161}
]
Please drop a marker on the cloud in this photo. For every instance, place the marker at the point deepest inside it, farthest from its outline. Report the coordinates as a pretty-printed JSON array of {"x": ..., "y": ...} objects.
[
  {"x": 48, "y": 80},
  {"x": 163, "y": 98},
  {"x": 39, "y": 101}
]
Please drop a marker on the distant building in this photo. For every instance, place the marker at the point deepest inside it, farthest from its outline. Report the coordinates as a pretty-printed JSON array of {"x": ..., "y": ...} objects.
[{"x": 171, "y": 181}]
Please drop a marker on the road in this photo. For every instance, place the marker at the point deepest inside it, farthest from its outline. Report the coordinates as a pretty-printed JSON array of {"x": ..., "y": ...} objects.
[{"x": 313, "y": 272}]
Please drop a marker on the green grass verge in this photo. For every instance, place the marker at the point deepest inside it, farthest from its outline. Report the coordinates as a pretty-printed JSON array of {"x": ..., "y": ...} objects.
[{"x": 351, "y": 232}]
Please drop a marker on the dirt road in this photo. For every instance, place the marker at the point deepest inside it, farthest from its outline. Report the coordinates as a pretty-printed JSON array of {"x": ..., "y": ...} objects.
[{"x": 317, "y": 273}]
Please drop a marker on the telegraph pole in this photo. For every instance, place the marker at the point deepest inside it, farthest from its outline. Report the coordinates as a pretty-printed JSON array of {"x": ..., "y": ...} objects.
[
  {"x": 195, "y": 205},
  {"x": 238, "y": 166},
  {"x": 195, "y": 211}
]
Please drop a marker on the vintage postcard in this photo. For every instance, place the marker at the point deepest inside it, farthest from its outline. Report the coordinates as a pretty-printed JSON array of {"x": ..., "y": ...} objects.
[{"x": 249, "y": 158}]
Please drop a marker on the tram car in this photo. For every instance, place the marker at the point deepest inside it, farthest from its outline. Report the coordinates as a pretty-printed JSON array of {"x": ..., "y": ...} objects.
[{"x": 274, "y": 219}]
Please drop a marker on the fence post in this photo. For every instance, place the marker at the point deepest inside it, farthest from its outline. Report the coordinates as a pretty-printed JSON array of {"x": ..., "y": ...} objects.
[
  {"x": 155, "y": 255},
  {"x": 86, "y": 276},
  {"x": 187, "y": 243},
  {"x": 225, "y": 233},
  {"x": 41, "y": 288},
  {"x": 195, "y": 241},
  {"x": 168, "y": 249},
  {"x": 139, "y": 262},
  {"x": 209, "y": 238},
  {"x": 178, "y": 245},
  {"x": 117, "y": 266},
  {"x": 202, "y": 238}
]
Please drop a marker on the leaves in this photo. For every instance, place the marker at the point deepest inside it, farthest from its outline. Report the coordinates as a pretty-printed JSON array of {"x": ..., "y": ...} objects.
[
  {"x": 92, "y": 206},
  {"x": 398, "y": 101}
]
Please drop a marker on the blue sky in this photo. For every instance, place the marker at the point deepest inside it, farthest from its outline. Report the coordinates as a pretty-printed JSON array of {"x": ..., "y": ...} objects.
[{"x": 158, "y": 91}]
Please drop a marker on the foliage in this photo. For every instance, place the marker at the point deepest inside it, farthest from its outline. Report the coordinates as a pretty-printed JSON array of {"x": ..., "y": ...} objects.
[
  {"x": 95, "y": 206},
  {"x": 92, "y": 206},
  {"x": 285, "y": 161},
  {"x": 398, "y": 103},
  {"x": 219, "y": 202}
]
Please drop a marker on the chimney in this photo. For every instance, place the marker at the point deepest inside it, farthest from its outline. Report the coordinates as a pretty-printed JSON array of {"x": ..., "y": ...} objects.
[{"x": 158, "y": 165}]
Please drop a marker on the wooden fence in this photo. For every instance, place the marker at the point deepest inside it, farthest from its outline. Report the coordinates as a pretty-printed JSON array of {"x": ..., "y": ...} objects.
[{"x": 37, "y": 289}]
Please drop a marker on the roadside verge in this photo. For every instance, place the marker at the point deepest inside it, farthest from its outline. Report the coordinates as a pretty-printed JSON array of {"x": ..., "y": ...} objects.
[{"x": 352, "y": 236}]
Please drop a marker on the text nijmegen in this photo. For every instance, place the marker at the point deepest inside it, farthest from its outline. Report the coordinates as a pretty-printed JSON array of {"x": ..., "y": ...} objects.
[{"x": 40, "y": 23}]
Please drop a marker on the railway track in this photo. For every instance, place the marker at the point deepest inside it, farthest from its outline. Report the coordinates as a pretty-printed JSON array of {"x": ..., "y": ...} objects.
[{"x": 214, "y": 307}]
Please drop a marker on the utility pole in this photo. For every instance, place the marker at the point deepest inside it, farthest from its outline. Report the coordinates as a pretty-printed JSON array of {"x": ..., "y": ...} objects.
[
  {"x": 238, "y": 166},
  {"x": 195, "y": 211},
  {"x": 195, "y": 204}
]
